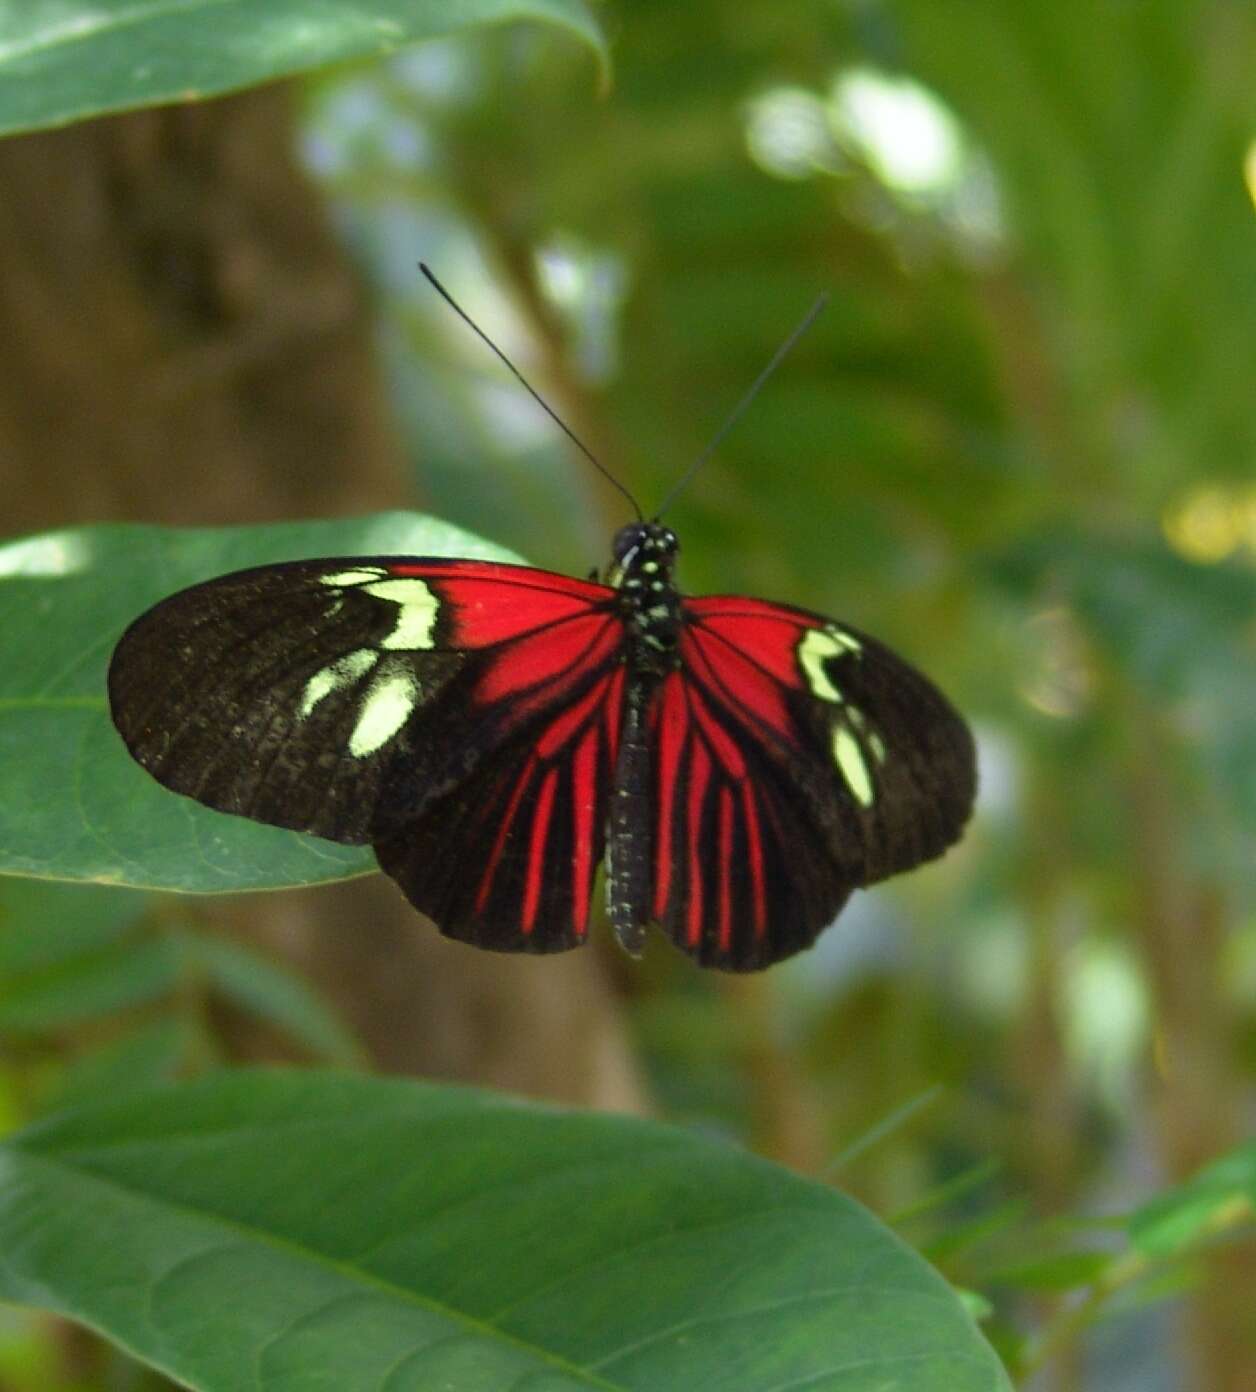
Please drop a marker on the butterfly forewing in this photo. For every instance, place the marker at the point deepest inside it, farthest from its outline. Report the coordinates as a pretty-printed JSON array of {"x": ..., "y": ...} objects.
[{"x": 342, "y": 697}]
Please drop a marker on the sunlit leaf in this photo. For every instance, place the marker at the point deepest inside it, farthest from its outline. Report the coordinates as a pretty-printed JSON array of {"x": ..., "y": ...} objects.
[{"x": 62, "y": 60}]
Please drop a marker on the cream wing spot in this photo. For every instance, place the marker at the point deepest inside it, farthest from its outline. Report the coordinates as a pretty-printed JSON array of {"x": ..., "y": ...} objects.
[
  {"x": 341, "y": 578},
  {"x": 851, "y": 730},
  {"x": 417, "y": 608},
  {"x": 385, "y": 709},
  {"x": 853, "y": 767},
  {"x": 344, "y": 672},
  {"x": 818, "y": 645}
]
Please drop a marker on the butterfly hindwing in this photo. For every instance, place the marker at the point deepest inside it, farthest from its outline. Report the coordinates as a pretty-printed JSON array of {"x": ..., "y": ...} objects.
[
  {"x": 742, "y": 872},
  {"x": 506, "y": 859},
  {"x": 826, "y": 763}
]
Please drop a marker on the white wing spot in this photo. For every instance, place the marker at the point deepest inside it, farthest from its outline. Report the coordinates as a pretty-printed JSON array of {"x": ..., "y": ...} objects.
[
  {"x": 818, "y": 645},
  {"x": 385, "y": 710},
  {"x": 417, "y": 608},
  {"x": 850, "y": 761},
  {"x": 345, "y": 671}
]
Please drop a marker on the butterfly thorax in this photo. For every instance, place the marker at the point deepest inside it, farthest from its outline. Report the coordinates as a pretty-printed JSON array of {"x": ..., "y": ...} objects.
[{"x": 645, "y": 557}]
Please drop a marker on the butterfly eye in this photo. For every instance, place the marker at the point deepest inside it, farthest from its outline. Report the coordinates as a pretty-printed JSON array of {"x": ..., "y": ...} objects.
[{"x": 627, "y": 540}]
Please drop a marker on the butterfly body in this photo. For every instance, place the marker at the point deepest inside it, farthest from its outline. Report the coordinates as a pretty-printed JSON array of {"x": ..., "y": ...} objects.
[
  {"x": 650, "y": 604},
  {"x": 495, "y": 732}
]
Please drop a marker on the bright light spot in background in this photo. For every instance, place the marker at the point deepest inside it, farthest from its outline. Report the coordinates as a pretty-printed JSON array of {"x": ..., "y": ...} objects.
[
  {"x": 442, "y": 72},
  {"x": 907, "y": 139},
  {"x": 587, "y": 287},
  {"x": 61, "y": 553},
  {"x": 900, "y": 130},
  {"x": 1058, "y": 676},
  {"x": 788, "y": 134},
  {"x": 990, "y": 965},
  {"x": 1249, "y": 171},
  {"x": 1104, "y": 999},
  {"x": 357, "y": 124},
  {"x": 1212, "y": 522}
]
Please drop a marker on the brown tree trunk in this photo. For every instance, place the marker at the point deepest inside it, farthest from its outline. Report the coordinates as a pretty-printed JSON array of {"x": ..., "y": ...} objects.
[
  {"x": 1198, "y": 1107},
  {"x": 184, "y": 343}
]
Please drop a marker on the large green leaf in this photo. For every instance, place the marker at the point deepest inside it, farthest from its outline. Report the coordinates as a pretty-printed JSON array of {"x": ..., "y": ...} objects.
[
  {"x": 63, "y": 60},
  {"x": 314, "y": 1231},
  {"x": 73, "y": 805}
]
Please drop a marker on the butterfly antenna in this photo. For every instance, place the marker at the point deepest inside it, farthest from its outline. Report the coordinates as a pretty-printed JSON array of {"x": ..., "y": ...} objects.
[
  {"x": 740, "y": 409},
  {"x": 527, "y": 386}
]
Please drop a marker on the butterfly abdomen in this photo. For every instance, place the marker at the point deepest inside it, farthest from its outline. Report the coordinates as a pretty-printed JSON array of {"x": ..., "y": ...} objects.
[{"x": 628, "y": 849}]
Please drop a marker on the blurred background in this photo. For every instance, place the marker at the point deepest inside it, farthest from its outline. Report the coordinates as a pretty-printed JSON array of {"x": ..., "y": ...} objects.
[{"x": 1019, "y": 446}]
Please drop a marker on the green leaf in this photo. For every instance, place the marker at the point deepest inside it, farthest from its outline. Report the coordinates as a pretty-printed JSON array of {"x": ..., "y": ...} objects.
[
  {"x": 63, "y": 60},
  {"x": 143, "y": 1057},
  {"x": 42, "y": 922},
  {"x": 128, "y": 974},
  {"x": 267, "y": 991},
  {"x": 1061, "y": 1272},
  {"x": 1221, "y": 1193},
  {"x": 73, "y": 804},
  {"x": 287, "y": 1231}
]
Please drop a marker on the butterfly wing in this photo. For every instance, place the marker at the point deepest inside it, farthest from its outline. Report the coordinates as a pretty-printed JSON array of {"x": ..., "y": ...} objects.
[
  {"x": 796, "y": 760},
  {"x": 505, "y": 860},
  {"x": 453, "y": 713}
]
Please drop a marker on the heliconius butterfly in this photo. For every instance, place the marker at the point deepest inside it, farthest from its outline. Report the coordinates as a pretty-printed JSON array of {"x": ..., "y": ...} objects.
[{"x": 493, "y": 731}]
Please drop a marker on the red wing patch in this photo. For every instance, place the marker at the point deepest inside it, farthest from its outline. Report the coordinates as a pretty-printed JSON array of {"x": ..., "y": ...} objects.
[
  {"x": 506, "y": 860},
  {"x": 724, "y": 837},
  {"x": 554, "y": 658},
  {"x": 485, "y": 602}
]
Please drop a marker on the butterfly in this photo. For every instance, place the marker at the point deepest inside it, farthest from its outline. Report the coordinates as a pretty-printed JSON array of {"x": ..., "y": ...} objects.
[{"x": 496, "y": 731}]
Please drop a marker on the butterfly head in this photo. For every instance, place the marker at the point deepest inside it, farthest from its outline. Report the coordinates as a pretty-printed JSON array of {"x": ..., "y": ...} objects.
[
  {"x": 645, "y": 554},
  {"x": 643, "y": 551}
]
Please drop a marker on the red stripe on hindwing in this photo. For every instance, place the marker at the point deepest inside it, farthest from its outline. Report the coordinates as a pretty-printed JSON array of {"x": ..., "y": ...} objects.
[
  {"x": 565, "y": 725},
  {"x": 503, "y": 830},
  {"x": 737, "y": 682},
  {"x": 754, "y": 855},
  {"x": 723, "y": 746},
  {"x": 584, "y": 813},
  {"x": 536, "y": 849},
  {"x": 699, "y": 781}
]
